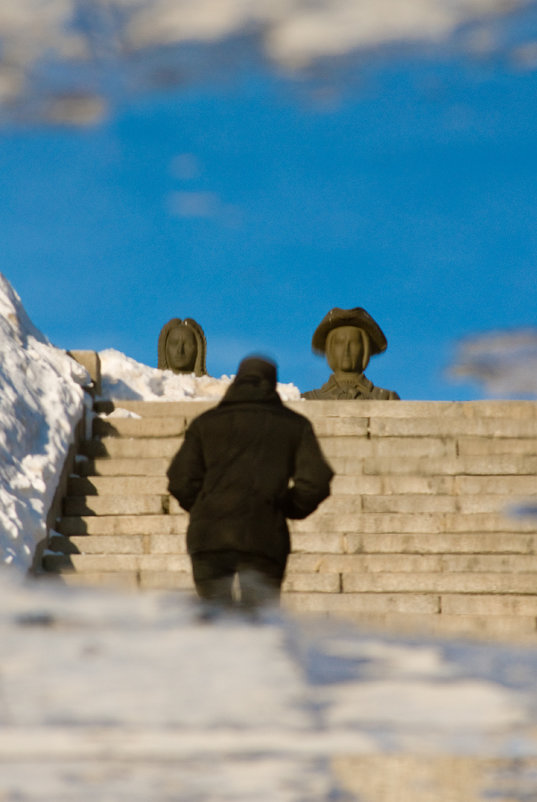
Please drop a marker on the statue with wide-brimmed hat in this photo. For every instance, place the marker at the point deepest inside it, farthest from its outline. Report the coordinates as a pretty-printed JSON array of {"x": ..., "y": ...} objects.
[{"x": 349, "y": 338}]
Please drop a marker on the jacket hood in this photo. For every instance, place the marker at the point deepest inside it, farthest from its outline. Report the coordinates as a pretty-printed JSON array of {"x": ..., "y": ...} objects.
[{"x": 255, "y": 381}]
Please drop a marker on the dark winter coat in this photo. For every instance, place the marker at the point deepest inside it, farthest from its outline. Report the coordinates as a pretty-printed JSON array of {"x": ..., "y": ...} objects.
[{"x": 233, "y": 473}]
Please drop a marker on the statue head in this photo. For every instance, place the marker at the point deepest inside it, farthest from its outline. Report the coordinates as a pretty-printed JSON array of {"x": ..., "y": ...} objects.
[
  {"x": 182, "y": 347},
  {"x": 348, "y": 338}
]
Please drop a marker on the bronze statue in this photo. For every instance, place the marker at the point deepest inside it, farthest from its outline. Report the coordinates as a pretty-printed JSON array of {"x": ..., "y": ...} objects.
[
  {"x": 349, "y": 338},
  {"x": 182, "y": 347}
]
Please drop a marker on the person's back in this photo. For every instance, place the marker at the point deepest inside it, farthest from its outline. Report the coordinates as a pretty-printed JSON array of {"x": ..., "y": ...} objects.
[{"x": 233, "y": 475}]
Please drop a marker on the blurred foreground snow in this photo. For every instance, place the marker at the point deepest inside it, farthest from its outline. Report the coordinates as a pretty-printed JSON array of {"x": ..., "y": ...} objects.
[{"x": 127, "y": 697}]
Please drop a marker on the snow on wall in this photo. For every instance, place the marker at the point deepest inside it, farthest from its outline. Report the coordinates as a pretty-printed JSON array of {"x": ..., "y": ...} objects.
[{"x": 41, "y": 401}]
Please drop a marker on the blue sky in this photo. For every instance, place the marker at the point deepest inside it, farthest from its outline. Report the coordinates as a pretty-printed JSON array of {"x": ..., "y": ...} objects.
[{"x": 256, "y": 205}]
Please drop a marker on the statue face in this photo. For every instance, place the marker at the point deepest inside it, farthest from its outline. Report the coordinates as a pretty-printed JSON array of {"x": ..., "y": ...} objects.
[
  {"x": 181, "y": 350},
  {"x": 345, "y": 349}
]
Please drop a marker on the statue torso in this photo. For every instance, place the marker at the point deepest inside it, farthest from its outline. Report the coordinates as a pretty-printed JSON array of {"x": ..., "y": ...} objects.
[{"x": 360, "y": 389}]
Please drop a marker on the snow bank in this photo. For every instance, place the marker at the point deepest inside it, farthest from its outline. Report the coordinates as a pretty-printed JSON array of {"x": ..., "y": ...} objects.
[
  {"x": 41, "y": 400},
  {"x": 125, "y": 379}
]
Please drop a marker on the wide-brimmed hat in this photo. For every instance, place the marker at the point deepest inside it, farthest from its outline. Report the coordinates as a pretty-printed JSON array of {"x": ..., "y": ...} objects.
[{"x": 349, "y": 317}]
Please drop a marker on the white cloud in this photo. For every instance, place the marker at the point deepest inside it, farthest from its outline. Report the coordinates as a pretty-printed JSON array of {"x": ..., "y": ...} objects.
[
  {"x": 503, "y": 362},
  {"x": 292, "y": 33}
]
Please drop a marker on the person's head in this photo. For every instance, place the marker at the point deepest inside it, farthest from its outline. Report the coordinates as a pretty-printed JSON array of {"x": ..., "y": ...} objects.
[
  {"x": 181, "y": 347},
  {"x": 257, "y": 370}
]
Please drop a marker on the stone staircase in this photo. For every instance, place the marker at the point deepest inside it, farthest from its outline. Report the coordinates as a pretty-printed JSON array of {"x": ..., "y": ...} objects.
[{"x": 420, "y": 529}]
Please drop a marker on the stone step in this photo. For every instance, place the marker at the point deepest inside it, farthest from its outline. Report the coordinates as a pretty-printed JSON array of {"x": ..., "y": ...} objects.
[
  {"x": 117, "y": 485},
  {"x": 502, "y": 465},
  {"x": 139, "y": 427},
  {"x": 123, "y": 525},
  {"x": 411, "y": 563},
  {"x": 453, "y": 426},
  {"x": 156, "y": 466},
  {"x": 101, "y": 563},
  {"x": 413, "y": 603},
  {"x": 448, "y": 582},
  {"x": 134, "y": 448},
  {"x": 431, "y": 523},
  {"x": 104, "y": 544},
  {"x": 326, "y": 409},
  {"x": 116, "y": 505}
]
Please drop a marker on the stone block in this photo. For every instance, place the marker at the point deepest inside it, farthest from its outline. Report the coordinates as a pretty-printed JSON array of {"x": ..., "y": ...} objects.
[
  {"x": 102, "y": 563},
  {"x": 337, "y": 603},
  {"x": 166, "y": 580},
  {"x": 345, "y": 447},
  {"x": 504, "y": 485},
  {"x": 312, "y": 583},
  {"x": 138, "y": 427},
  {"x": 418, "y": 582},
  {"x": 167, "y": 544},
  {"x": 118, "y": 485},
  {"x": 113, "y": 505},
  {"x": 352, "y": 485},
  {"x": 378, "y": 523},
  {"x": 349, "y": 426},
  {"x": 411, "y": 503},
  {"x": 403, "y": 484},
  {"x": 124, "y": 525},
  {"x": 135, "y": 448},
  {"x": 479, "y": 446},
  {"x": 319, "y": 542},
  {"x": 164, "y": 562},
  {"x": 105, "y": 544},
  {"x": 364, "y": 563},
  {"x": 453, "y": 426},
  {"x": 488, "y": 563},
  {"x": 469, "y": 543},
  {"x": 92, "y": 362},
  {"x": 156, "y": 466},
  {"x": 489, "y": 604},
  {"x": 108, "y": 579}
]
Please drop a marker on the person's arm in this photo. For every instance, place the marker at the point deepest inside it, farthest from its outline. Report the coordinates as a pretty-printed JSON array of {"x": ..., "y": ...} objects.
[
  {"x": 187, "y": 469},
  {"x": 311, "y": 480}
]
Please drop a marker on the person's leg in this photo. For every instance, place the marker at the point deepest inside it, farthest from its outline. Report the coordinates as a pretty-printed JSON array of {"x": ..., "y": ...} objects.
[
  {"x": 260, "y": 580},
  {"x": 213, "y": 573}
]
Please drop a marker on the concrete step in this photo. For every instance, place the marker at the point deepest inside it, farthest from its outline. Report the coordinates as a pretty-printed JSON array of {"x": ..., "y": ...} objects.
[
  {"x": 453, "y": 426},
  {"x": 104, "y": 544}
]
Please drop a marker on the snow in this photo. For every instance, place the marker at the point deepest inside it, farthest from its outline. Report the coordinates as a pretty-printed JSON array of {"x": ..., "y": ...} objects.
[
  {"x": 124, "y": 378},
  {"x": 41, "y": 401}
]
